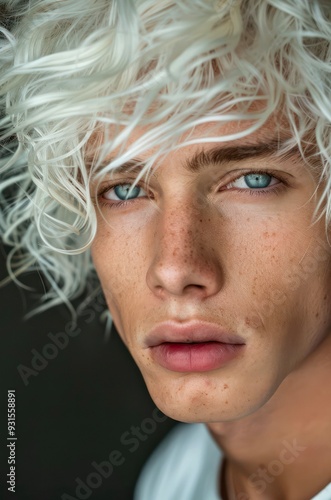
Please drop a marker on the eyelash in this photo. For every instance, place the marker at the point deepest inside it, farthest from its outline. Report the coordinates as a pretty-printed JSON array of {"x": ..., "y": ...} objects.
[{"x": 252, "y": 192}]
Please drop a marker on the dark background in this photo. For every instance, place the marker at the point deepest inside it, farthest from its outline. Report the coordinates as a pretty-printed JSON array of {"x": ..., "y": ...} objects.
[{"x": 75, "y": 409}]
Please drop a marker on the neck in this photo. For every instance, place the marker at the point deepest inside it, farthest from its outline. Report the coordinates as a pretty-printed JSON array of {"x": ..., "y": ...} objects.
[{"x": 284, "y": 449}]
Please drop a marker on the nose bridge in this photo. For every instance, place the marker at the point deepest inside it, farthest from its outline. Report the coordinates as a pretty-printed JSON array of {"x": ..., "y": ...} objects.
[
  {"x": 182, "y": 255},
  {"x": 180, "y": 231}
]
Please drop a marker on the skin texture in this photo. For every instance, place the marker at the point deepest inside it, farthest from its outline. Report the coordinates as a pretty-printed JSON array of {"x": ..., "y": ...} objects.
[{"x": 200, "y": 248}]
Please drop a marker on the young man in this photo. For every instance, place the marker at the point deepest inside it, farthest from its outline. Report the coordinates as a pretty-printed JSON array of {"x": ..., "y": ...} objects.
[{"x": 182, "y": 150}]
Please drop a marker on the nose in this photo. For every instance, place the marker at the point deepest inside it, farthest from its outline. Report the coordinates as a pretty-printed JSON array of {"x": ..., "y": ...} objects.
[{"x": 184, "y": 259}]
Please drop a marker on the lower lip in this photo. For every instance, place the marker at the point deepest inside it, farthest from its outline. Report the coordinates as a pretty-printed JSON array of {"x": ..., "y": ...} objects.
[{"x": 195, "y": 357}]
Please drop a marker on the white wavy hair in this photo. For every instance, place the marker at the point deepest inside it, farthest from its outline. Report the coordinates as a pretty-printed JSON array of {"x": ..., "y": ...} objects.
[{"x": 70, "y": 68}]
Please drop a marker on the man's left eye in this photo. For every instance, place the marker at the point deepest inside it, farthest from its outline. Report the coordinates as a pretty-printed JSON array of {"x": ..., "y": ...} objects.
[{"x": 254, "y": 180}]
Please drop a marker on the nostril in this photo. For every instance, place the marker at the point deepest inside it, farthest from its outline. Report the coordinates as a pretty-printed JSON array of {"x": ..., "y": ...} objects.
[{"x": 188, "y": 288}]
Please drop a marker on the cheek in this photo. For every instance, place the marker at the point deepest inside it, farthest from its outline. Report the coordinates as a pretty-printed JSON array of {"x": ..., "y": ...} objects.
[
  {"x": 120, "y": 263},
  {"x": 285, "y": 278}
]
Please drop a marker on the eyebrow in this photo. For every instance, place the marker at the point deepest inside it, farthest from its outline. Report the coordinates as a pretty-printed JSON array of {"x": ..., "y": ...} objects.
[
  {"x": 222, "y": 155},
  {"x": 219, "y": 155}
]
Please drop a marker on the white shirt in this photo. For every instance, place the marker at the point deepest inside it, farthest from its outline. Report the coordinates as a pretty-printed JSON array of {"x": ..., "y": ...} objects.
[{"x": 186, "y": 466}]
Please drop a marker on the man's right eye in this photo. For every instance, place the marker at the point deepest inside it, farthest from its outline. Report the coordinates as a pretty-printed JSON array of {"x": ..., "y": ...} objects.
[
  {"x": 123, "y": 192},
  {"x": 120, "y": 194}
]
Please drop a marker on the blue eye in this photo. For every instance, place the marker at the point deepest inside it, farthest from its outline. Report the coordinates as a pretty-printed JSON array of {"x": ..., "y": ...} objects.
[
  {"x": 122, "y": 192},
  {"x": 253, "y": 181}
]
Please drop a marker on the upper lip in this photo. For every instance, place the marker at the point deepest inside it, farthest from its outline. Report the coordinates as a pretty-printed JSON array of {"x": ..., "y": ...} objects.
[{"x": 194, "y": 331}]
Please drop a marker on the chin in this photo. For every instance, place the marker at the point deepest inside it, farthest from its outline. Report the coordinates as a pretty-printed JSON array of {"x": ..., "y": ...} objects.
[
  {"x": 202, "y": 413},
  {"x": 194, "y": 398}
]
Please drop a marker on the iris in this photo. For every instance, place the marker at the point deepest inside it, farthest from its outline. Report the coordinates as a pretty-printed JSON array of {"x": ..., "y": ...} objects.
[
  {"x": 258, "y": 180},
  {"x": 122, "y": 191}
]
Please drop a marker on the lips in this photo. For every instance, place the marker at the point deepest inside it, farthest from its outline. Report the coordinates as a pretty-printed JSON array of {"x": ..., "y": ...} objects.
[
  {"x": 193, "y": 347},
  {"x": 190, "y": 332}
]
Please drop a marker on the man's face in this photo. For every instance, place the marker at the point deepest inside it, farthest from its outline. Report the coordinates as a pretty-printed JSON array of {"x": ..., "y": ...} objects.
[{"x": 225, "y": 247}]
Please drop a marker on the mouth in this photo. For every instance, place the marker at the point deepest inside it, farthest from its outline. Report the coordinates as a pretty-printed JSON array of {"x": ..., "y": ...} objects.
[{"x": 192, "y": 347}]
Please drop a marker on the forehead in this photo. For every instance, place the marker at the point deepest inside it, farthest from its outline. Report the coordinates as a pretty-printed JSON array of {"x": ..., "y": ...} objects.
[
  {"x": 245, "y": 131},
  {"x": 212, "y": 142}
]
